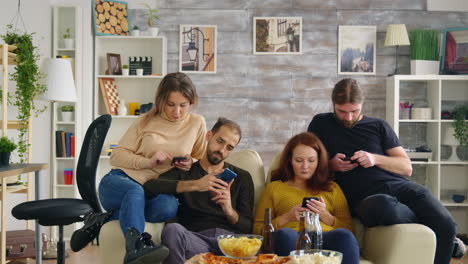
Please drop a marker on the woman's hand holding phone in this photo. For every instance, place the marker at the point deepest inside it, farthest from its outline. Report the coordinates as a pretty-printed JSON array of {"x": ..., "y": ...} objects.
[
  {"x": 159, "y": 158},
  {"x": 184, "y": 163}
]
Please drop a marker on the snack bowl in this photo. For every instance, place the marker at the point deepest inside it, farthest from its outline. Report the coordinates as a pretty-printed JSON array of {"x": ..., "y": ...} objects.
[
  {"x": 315, "y": 256},
  {"x": 240, "y": 246}
]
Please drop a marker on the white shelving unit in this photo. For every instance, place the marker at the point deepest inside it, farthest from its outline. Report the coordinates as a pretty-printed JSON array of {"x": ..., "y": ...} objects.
[
  {"x": 437, "y": 92},
  {"x": 66, "y": 16},
  {"x": 132, "y": 88}
]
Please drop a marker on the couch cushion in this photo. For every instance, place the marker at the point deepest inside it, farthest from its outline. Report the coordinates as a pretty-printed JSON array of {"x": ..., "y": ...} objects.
[{"x": 250, "y": 161}]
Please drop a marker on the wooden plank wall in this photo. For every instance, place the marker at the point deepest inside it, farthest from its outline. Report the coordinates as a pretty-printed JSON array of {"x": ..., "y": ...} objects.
[{"x": 275, "y": 97}]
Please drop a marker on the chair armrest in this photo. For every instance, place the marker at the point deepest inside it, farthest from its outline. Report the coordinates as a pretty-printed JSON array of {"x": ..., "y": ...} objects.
[{"x": 402, "y": 244}]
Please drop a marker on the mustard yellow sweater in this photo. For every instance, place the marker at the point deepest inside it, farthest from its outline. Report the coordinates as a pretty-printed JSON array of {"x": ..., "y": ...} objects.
[
  {"x": 136, "y": 148},
  {"x": 281, "y": 197}
]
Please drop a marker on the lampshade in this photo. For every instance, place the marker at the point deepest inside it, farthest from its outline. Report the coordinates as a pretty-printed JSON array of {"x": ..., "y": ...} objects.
[
  {"x": 59, "y": 82},
  {"x": 448, "y": 138},
  {"x": 396, "y": 35}
]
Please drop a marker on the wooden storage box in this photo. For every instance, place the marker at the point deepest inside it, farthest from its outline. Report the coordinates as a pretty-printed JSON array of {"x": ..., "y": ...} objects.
[{"x": 20, "y": 244}]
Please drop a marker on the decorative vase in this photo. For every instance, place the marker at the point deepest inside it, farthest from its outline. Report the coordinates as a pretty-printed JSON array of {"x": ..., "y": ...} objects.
[
  {"x": 122, "y": 109},
  {"x": 125, "y": 72},
  {"x": 136, "y": 32},
  {"x": 68, "y": 43},
  {"x": 423, "y": 67},
  {"x": 67, "y": 116},
  {"x": 4, "y": 159},
  {"x": 139, "y": 72},
  {"x": 153, "y": 31}
]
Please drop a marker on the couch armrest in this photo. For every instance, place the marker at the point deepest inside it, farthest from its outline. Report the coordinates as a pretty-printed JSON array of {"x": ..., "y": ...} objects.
[{"x": 402, "y": 244}]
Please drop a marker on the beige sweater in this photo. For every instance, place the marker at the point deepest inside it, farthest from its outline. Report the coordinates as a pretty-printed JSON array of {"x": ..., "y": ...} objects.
[{"x": 178, "y": 138}]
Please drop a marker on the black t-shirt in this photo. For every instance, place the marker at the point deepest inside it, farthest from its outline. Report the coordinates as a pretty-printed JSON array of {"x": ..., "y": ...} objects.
[
  {"x": 197, "y": 212},
  {"x": 369, "y": 134}
]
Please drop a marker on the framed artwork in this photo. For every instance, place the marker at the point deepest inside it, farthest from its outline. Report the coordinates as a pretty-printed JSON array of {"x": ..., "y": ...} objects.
[
  {"x": 110, "y": 95},
  {"x": 110, "y": 18},
  {"x": 356, "y": 50},
  {"x": 197, "y": 48},
  {"x": 277, "y": 35},
  {"x": 114, "y": 64},
  {"x": 455, "y": 51}
]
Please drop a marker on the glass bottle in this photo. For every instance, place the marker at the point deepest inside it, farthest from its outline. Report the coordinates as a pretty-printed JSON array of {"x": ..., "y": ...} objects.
[
  {"x": 267, "y": 232},
  {"x": 315, "y": 232},
  {"x": 304, "y": 241}
]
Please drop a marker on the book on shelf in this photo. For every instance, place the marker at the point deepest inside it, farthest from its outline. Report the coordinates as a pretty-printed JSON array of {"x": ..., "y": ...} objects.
[
  {"x": 64, "y": 144},
  {"x": 58, "y": 144}
]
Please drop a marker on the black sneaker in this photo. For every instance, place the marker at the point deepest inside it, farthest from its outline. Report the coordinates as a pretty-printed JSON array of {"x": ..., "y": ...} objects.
[
  {"x": 141, "y": 249},
  {"x": 459, "y": 248},
  {"x": 92, "y": 225}
]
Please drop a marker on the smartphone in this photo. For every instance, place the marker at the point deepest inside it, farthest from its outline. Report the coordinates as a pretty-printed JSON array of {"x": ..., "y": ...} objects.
[
  {"x": 349, "y": 159},
  {"x": 227, "y": 175},
  {"x": 175, "y": 159},
  {"x": 305, "y": 199}
]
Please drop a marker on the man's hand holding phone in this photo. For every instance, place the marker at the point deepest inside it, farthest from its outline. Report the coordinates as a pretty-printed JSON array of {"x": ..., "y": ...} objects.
[{"x": 339, "y": 163}]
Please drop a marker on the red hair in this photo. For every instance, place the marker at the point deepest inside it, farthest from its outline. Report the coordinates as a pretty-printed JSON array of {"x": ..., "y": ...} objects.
[{"x": 321, "y": 179}]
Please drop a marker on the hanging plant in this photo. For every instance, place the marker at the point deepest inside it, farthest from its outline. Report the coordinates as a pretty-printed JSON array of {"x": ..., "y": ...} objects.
[
  {"x": 27, "y": 77},
  {"x": 460, "y": 125}
]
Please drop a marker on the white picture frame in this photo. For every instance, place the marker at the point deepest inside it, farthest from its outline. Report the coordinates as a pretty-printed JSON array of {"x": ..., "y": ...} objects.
[
  {"x": 354, "y": 54},
  {"x": 198, "y": 48},
  {"x": 280, "y": 35}
]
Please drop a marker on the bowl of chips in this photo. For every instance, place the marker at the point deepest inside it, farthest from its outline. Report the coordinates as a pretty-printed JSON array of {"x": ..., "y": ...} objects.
[
  {"x": 239, "y": 246},
  {"x": 315, "y": 256}
]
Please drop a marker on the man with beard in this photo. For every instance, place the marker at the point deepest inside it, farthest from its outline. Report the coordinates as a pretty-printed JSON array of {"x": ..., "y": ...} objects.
[
  {"x": 371, "y": 167},
  {"x": 209, "y": 206}
]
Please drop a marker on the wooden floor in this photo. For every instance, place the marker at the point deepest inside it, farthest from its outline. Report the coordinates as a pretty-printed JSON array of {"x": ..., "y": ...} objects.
[{"x": 90, "y": 255}]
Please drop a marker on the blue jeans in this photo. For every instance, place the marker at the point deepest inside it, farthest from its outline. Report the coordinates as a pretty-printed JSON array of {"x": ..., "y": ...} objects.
[
  {"x": 126, "y": 198},
  {"x": 340, "y": 239}
]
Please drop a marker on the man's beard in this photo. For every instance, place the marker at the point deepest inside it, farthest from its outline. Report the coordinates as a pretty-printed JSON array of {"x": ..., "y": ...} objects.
[
  {"x": 214, "y": 160},
  {"x": 346, "y": 123}
]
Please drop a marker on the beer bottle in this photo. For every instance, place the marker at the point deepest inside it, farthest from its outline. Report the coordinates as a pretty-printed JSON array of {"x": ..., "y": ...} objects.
[
  {"x": 267, "y": 232},
  {"x": 304, "y": 241},
  {"x": 315, "y": 232}
]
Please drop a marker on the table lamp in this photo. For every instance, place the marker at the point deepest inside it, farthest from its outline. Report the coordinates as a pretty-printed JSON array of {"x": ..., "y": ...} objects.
[
  {"x": 396, "y": 36},
  {"x": 59, "y": 82},
  {"x": 449, "y": 139}
]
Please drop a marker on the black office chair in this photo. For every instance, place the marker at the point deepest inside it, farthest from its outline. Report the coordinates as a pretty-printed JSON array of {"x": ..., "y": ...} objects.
[{"x": 65, "y": 211}]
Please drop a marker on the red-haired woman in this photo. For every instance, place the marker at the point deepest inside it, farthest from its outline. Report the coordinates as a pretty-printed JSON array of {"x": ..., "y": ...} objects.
[{"x": 303, "y": 172}]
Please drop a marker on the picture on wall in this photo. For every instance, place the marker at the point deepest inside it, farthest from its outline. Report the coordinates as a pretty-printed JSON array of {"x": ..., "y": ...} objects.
[
  {"x": 197, "y": 49},
  {"x": 277, "y": 35},
  {"x": 455, "y": 51},
  {"x": 356, "y": 50},
  {"x": 110, "y": 18}
]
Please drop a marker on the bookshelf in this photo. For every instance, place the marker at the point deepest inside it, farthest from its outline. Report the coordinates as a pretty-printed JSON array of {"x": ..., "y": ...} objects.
[
  {"x": 64, "y": 17},
  {"x": 438, "y": 93},
  {"x": 131, "y": 88}
]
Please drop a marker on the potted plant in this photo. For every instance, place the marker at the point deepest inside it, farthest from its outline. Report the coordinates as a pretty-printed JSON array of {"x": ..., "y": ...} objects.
[
  {"x": 136, "y": 31},
  {"x": 460, "y": 124},
  {"x": 67, "y": 113},
  {"x": 29, "y": 84},
  {"x": 139, "y": 69},
  {"x": 6, "y": 147},
  {"x": 151, "y": 14},
  {"x": 424, "y": 51},
  {"x": 67, "y": 40},
  {"x": 125, "y": 70}
]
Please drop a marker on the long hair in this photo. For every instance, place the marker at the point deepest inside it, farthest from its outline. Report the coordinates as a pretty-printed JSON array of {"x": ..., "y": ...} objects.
[
  {"x": 172, "y": 82},
  {"x": 321, "y": 178},
  {"x": 347, "y": 91}
]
